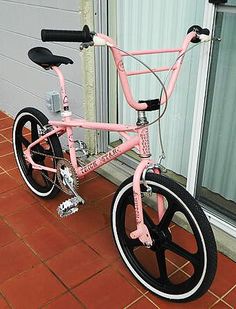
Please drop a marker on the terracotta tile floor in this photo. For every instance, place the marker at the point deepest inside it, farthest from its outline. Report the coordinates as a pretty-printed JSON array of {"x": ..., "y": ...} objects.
[{"x": 48, "y": 262}]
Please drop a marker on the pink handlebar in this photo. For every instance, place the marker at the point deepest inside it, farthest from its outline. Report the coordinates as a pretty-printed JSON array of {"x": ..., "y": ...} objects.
[{"x": 123, "y": 75}]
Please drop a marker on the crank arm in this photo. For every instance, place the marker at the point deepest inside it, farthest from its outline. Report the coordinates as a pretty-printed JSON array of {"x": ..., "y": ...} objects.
[{"x": 70, "y": 186}]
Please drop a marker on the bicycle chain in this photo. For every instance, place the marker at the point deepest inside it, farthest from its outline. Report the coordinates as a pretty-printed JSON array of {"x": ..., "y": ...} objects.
[{"x": 48, "y": 178}]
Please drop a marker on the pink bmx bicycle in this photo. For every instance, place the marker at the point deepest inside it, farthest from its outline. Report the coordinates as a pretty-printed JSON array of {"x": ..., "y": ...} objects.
[{"x": 139, "y": 235}]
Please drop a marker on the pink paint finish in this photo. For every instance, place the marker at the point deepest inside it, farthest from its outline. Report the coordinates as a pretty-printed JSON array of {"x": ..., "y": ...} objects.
[
  {"x": 140, "y": 135},
  {"x": 123, "y": 75}
]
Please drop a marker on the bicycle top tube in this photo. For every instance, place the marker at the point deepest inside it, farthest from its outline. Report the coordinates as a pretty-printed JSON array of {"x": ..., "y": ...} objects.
[{"x": 195, "y": 34}]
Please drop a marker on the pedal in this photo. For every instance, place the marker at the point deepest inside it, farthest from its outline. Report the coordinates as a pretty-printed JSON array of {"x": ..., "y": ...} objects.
[{"x": 69, "y": 206}]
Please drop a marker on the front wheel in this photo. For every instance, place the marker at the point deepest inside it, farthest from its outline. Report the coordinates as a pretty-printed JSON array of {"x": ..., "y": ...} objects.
[{"x": 180, "y": 266}]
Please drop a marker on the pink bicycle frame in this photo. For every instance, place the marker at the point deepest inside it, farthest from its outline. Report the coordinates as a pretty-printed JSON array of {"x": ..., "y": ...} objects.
[
  {"x": 140, "y": 140},
  {"x": 123, "y": 75}
]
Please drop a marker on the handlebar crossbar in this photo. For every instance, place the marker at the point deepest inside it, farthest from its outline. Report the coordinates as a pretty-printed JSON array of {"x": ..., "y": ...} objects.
[{"x": 97, "y": 39}]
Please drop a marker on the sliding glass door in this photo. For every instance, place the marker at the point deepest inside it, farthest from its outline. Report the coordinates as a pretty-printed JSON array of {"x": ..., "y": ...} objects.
[
  {"x": 217, "y": 173},
  {"x": 139, "y": 24}
]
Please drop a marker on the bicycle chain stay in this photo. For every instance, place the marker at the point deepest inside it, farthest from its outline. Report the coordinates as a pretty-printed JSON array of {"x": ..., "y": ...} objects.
[{"x": 62, "y": 188}]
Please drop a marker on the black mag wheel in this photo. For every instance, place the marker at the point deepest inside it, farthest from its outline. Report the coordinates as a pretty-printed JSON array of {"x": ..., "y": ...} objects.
[
  {"x": 180, "y": 266},
  {"x": 28, "y": 126}
]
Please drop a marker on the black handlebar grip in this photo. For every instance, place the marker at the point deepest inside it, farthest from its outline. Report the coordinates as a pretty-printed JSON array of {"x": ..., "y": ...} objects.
[
  {"x": 66, "y": 35},
  {"x": 199, "y": 30}
]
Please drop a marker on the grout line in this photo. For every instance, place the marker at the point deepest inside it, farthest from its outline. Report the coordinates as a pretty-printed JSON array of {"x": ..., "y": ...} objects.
[
  {"x": 212, "y": 293},
  {"x": 3, "y": 118},
  {"x": 223, "y": 301},
  {"x": 116, "y": 269},
  {"x": 55, "y": 298},
  {"x": 228, "y": 291},
  {"x": 134, "y": 302},
  {"x": 88, "y": 278},
  {"x": 1, "y": 130},
  {"x": 146, "y": 295},
  {"x": 222, "y": 297},
  {"x": 6, "y": 300},
  {"x": 6, "y": 154},
  {"x": 218, "y": 301}
]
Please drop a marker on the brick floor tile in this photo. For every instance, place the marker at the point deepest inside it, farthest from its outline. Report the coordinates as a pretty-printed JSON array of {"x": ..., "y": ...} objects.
[
  {"x": 50, "y": 240},
  {"x": 14, "y": 173},
  {"x": 8, "y": 162},
  {"x": 6, "y": 234},
  {"x": 65, "y": 301},
  {"x": 7, "y": 183},
  {"x": 225, "y": 277},
  {"x": 33, "y": 288},
  {"x": 76, "y": 264},
  {"x": 30, "y": 219},
  {"x": 7, "y": 133},
  {"x": 96, "y": 189},
  {"x": 3, "y": 304},
  {"x": 3, "y": 115},
  {"x": 16, "y": 199},
  {"x": 104, "y": 206},
  {"x": 86, "y": 221},
  {"x": 143, "y": 303},
  {"x": 5, "y": 148},
  {"x": 53, "y": 204},
  {"x": 2, "y": 139},
  {"x": 178, "y": 277},
  {"x": 91, "y": 176},
  {"x": 230, "y": 298},
  {"x": 124, "y": 272},
  {"x": 102, "y": 242},
  {"x": 106, "y": 290},
  {"x": 185, "y": 240},
  {"x": 221, "y": 305},
  {"x": 16, "y": 257},
  {"x": 6, "y": 123}
]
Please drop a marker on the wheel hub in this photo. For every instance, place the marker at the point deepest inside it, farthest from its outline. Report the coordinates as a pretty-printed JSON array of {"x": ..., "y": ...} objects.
[{"x": 160, "y": 237}]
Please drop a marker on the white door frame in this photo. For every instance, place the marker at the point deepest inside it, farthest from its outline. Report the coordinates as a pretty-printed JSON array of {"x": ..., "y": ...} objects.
[
  {"x": 199, "y": 107},
  {"x": 198, "y": 121}
]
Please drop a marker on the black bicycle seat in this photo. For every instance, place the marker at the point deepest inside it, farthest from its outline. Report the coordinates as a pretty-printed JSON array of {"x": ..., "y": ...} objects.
[{"x": 45, "y": 58}]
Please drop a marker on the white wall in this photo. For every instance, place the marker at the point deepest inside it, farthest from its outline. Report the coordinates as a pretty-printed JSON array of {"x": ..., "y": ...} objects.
[{"x": 23, "y": 83}]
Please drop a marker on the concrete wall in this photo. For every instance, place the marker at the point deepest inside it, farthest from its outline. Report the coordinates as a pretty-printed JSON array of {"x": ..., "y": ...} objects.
[{"x": 23, "y": 83}]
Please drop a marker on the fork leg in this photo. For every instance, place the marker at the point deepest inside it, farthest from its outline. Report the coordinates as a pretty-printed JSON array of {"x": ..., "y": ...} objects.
[{"x": 142, "y": 231}]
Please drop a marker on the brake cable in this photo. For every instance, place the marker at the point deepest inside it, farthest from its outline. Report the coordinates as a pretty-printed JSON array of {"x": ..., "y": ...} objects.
[{"x": 163, "y": 89}]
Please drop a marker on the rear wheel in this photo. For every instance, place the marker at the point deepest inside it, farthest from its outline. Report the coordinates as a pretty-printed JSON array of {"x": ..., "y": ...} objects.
[
  {"x": 180, "y": 265},
  {"x": 28, "y": 126}
]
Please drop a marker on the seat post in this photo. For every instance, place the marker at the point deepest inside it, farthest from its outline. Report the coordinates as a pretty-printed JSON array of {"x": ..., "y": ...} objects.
[{"x": 64, "y": 97}]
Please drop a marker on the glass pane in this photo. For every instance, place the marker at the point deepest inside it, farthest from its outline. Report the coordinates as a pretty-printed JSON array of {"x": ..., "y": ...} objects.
[
  {"x": 218, "y": 165},
  {"x": 155, "y": 25},
  {"x": 231, "y": 2}
]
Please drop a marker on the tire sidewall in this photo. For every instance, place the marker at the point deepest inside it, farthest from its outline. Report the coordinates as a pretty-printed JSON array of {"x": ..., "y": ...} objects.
[
  {"x": 36, "y": 114},
  {"x": 153, "y": 180}
]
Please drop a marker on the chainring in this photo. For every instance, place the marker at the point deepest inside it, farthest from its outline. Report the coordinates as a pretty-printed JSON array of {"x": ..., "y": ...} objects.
[{"x": 64, "y": 166}]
